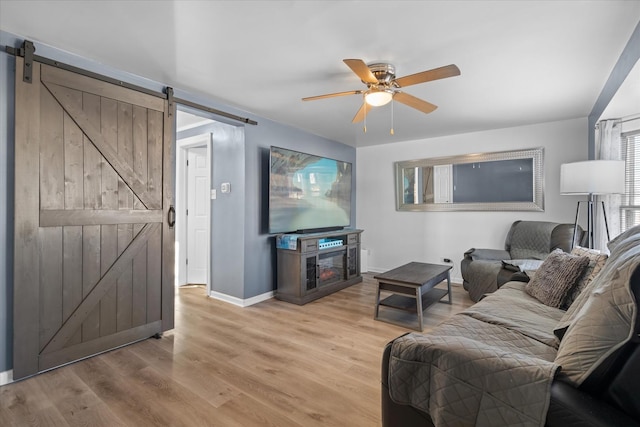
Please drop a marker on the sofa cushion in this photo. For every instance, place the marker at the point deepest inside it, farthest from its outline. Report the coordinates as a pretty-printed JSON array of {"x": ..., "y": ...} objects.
[
  {"x": 605, "y": 320},
  {"x": 596, "y": 262},
  {"x": 511, "y": 307},
  {"x": 557, "y": 275}
]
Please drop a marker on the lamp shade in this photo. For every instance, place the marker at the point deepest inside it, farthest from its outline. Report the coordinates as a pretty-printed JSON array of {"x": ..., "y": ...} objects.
[{"x": 592, "y": 177}]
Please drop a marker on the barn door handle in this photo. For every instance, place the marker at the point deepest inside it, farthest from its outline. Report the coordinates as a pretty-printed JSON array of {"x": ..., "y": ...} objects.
[{"x": 171, "y": 216}]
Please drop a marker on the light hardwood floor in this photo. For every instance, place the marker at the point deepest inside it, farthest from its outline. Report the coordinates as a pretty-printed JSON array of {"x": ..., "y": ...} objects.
[{"x": 271, "y": 364}]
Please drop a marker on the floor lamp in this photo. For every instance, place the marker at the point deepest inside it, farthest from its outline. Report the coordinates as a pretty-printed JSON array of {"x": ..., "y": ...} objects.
[{"x": 591, "y": 178}]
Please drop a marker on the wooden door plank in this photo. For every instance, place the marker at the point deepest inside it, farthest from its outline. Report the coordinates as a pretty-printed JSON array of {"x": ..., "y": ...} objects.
[
  {"x": 139, "y": 297},
  {"x": 72, "y": 275},
  {"x": 125, "y": 152},
  {"x": 103, "y": 89},
  {"x": 50, "y": 264},
  {"x": 154, "y": 276},
  {"x": 92, "y": 157},
  {"x": 99, "y": 345},
  {"x": 102, "y": 141},
  {"x": 109, "y": 234},
  {"x": 125, "y": 231},
  {"x": 51, "y": 197},
  {"x": 139, "y": 153},
  {"x": 101, "y": 289},
  {"x": 140, "y": 166},
  {"x": 26, "y": 278},
  {"x": 90, "y": 277},
  {"x": 73, "y": 159},
  {"x": 154, "y": 157},
  {"x": 154, "y": 186},
  {"x": 124, "y": 284},
  {"x": 60, "y": 217},
  {"x": 73, "y": 199},
  {"x": 168, "y": 233},
  {"x": 51, "y": 153},
  {"x": 92, "y": 200}
]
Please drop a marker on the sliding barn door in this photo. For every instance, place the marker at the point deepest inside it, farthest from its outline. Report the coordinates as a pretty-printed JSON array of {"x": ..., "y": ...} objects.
[{"x": 93, "y": 265}]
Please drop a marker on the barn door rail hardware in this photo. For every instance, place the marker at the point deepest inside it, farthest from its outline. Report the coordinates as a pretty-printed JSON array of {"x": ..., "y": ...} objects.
[{"x": 27, "y": 51}]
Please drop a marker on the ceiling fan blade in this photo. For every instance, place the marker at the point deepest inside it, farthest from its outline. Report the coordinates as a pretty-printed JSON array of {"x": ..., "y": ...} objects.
[
  {"x": 427, "y": 76},
  {"x": 360, "y": 68},
  {"x": 362, "y": 112},
  {"x": 413, "y": 102},
  {"x": 331, "y": 95}
]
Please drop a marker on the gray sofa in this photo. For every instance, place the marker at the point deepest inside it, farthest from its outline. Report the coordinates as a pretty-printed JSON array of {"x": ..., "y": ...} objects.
[
  {"x": 483, "y": 270},
  {"x": 512, "y": 360}
]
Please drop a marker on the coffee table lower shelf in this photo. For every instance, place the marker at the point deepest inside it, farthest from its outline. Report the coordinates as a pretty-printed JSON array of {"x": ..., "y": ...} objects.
[{"x": 402, "y": 302}]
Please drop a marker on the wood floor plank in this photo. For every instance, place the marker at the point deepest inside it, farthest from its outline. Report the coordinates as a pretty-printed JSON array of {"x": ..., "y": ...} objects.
[
  {"x": 75, "y": 401},
  {"x": 25, "y": 403},
  {"x": 211, "y": 389},
  {"x": 271, "y": 364}
]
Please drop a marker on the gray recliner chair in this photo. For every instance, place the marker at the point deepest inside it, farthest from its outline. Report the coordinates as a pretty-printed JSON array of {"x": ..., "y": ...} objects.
[{"x": 483, "y": 270}]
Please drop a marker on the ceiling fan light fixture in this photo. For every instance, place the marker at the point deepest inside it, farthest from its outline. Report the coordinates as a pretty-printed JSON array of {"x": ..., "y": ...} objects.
[{"x": 377, "y": 98}]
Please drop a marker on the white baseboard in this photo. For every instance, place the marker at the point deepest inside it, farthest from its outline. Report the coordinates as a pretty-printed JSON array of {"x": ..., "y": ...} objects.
[
  {"x": 239, "y": 301},
  {"x": 6, "y": 377}
]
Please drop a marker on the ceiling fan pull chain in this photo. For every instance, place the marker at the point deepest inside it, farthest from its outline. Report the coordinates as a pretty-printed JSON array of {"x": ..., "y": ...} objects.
[
  {"x": 365, "y": 114},
  {"x": 391, "y": 117}
]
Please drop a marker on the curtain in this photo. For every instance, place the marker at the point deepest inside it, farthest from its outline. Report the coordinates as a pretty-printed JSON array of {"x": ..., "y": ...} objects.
[{"x": 608, "y": 147}]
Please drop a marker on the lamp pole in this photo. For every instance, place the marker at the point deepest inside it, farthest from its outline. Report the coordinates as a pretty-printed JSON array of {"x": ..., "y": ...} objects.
[{"x": 590, "y": 221}]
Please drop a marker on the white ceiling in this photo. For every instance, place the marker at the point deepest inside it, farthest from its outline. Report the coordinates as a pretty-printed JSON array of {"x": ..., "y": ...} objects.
[{"x": 522, "y": 62}]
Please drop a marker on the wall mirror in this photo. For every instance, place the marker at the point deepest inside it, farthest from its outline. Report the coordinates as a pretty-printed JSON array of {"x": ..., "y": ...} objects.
[{"x": 498, "y": 181}]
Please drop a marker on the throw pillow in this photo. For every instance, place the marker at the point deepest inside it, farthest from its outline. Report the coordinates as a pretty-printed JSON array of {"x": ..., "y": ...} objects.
[
  {"x": 596, "y": 262},
  {"x": 557, "y": 275}
]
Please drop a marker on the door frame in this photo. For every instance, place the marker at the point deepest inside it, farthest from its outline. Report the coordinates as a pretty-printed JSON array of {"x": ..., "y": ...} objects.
[{"x": 182, "y": 147}]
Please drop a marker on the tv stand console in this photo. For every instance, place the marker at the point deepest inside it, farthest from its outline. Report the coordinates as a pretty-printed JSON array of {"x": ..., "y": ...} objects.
[{"x": 314, "y": 265}]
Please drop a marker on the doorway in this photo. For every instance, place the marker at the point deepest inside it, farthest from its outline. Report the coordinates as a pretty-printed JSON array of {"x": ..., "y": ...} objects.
[{"x": 193, "y": 210}]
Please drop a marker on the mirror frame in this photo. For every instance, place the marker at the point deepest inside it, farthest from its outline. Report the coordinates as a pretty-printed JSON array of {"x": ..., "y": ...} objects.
[{"x": 537, "y": 154}]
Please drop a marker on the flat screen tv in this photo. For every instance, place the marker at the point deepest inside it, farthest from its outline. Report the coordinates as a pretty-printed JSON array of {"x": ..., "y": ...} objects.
[{"x": 308, "y": 193}]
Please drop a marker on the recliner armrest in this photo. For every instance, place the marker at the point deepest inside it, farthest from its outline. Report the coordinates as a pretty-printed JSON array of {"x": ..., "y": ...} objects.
[
  {"x": 572, "y": 407},
  {"x": 487, "y": 254}
]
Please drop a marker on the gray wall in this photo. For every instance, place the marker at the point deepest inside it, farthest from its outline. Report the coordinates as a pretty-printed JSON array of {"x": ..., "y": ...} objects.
[
  {"x": 259, "y": 270},
  {"x": 242, "y": 217},
  {"x": 227, "y": 211},
  {"x": 243, "y": 254}
]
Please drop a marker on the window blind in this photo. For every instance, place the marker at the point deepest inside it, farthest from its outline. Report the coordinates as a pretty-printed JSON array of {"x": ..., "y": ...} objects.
[{"x": 630, "y": 203}]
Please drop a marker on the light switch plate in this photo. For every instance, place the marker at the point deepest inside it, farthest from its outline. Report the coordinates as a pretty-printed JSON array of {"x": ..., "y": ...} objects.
[
  {"x": 213, "y": 194},
  {"x": 225, "y": 187}
]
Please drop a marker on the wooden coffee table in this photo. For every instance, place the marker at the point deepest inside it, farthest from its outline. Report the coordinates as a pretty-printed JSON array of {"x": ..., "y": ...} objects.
[{"x": 413, "y": 288}]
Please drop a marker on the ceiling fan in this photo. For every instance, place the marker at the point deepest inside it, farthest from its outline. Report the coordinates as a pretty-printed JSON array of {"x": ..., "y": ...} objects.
[{"x": 383, "y": 86}]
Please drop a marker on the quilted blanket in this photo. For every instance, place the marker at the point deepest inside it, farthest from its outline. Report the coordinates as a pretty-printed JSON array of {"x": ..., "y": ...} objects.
[
  {"x": 478, "y": 369},
  {"x": 483, "y": 274}
]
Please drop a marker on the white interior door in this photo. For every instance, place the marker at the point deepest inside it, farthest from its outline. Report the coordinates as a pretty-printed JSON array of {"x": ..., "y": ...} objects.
[
  {"x": 443, "y": 183},
  {"x": 197, "y": 215}
]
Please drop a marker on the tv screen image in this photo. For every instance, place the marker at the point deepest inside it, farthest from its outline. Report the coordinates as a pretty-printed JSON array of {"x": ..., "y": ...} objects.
[{"x": 307, "y": 192}]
